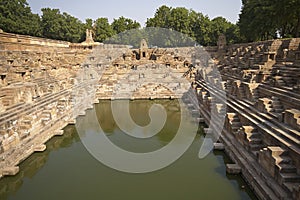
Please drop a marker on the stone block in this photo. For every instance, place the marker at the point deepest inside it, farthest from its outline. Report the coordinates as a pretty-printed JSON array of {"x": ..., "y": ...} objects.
[{"x": 233, "y": 169}]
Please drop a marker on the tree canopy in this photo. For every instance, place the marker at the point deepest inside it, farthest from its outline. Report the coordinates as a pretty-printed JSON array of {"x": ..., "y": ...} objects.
[
  {"x": 61, "y": 26},
  {"x": 16, "y": 17},
  {"x": 269, "y": 19},
  {"x": 103, "y": 29},
  {"x": 199, "y": 27},
  {"x": 259, "y": 20},
  {"x": 124, "y": 24}
]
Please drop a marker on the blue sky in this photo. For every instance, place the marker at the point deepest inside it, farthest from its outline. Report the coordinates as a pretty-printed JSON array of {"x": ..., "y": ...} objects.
[{"x": 138, "y": 10}]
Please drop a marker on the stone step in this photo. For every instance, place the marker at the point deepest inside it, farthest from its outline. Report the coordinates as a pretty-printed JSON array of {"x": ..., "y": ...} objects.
[
  {"x": 289, "y": 177},
  {"x": 249, "y": 129},
  {"x": 282, "y": 159},
  {"x": 254, "y": 135},
  {"x": 254, "y": 141},
  {"x": 256, "y": 147},
  {"x": 291, "y": 186},
  {"x": 278, "y": 110},
  {"x": 236, "y": 124},
  {"x": 286, "y": 168},
  {"x": 25, "y": 126}
]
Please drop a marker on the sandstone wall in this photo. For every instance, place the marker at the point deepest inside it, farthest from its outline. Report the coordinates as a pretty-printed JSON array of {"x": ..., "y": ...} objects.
[
  {"x": 15, "y": 42},
  {"x": 261, "y": 132},
  {"x": 37, "y": 80},
  {"x": 40, "y": 88}
]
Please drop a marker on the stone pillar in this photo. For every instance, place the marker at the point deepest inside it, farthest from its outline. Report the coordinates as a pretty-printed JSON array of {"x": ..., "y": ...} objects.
[
  {"x": 222, "y": 42},
  {"x": 143, "y": 49},
  {"x": 89, "y": 36}
]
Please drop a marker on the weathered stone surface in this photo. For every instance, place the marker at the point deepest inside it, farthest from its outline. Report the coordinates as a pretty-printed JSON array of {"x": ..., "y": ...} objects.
[
  {"x": 9, "y": 171},
  {"x": 233, "y": 169},
  {"x": 40, "y": 148},
  {"x": 219, "y": 146},
  {"x": 261, "y": 81},
  {"x": 41, "y": 93}
]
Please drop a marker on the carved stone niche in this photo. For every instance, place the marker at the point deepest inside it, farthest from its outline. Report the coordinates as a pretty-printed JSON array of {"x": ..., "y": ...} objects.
[
  {"x": 269, "y": 56},
  {"x": 3, "y": 79},
  {"x": 143, "y": 49}
]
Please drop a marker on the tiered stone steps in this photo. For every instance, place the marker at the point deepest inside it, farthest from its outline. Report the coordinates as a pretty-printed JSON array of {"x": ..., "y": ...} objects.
[
  {"x": 282, "y": 169},
  {"x": 234, "y": 121},
  {"x": 292, "y": 118},
  {"x": 252, "y": 138},
  {"x": 283, "y": 134}
]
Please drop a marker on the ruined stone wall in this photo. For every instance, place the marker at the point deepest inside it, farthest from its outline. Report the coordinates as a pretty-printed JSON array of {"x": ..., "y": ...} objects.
[{"x": 262, "y": 123}]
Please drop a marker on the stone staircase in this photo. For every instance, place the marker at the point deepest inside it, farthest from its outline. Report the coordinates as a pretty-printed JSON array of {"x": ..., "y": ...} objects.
[
  {"x": 241, "y": 92},
  {"x": 234, "y": 122},
  {"x": 277, "y": 162},
  {"x": 286, "y": 74},
  {"x": 251, "y": 139},
  {"x": 265, "y": 105},
  {"x": 255, "y": 95},
  {"x": 24, "y": 126},
  {"x": 46, "y": 117},
  {"x": 292, "y": 118},
  {"x": 276, "y": 108}
]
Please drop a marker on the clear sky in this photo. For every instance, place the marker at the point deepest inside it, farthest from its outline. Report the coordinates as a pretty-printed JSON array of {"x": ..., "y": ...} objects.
[{"x": 138, "y": 10}]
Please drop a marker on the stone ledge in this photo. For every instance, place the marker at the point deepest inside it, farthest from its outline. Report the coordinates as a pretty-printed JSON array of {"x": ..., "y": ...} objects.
[
  {"x": 233, "y": 169},
  {"x": 9, "y": 171}
]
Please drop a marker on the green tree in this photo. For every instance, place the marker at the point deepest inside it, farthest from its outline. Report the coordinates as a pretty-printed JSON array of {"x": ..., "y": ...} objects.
[
  {"x": 61, "y": 26},
  {"x": 179, "y": 20},
  {"x": 88, "y": 23},
  {"x": 194, "y": 24},
  {"x": 220, "y": 25},
  {"x": 16, "y": 17},
  {"x": 72, "y": 28},
  {"x": 233, "y": 34},
  {"x": 257, "y": 20},
  {"x": 103, "y": 29},
  {"x": 123, "y": 24},
  {"x": 268, "y": 19},
  {"x": 200, "y": 27},
  {"x": 52, "y": 22},
  {"x": 161, "y": 18},
  {"x": 287, "y": 17}
]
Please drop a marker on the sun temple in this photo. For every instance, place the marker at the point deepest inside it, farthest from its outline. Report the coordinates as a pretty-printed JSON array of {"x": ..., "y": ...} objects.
[{"x": 40, "y": 86}]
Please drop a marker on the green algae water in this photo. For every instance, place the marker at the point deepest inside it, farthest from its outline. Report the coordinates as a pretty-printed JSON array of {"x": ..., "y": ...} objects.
[{"x": 66, "y": 170}]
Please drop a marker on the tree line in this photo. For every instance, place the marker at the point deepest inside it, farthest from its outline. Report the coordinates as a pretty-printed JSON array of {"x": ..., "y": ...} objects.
[
  {"x": 259, "y": 20},
  {"x": 269, "y": 19},
  {"x": 16, "y": 17}
]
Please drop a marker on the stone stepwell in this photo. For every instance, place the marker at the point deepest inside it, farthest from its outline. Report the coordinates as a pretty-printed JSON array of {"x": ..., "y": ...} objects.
[
  {"x": 262, "y": 123},
  {"x": 45, "y": 84}
]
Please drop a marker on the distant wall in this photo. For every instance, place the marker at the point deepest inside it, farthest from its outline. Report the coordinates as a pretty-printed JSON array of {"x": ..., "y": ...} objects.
[{"x": 15, "y": 42}]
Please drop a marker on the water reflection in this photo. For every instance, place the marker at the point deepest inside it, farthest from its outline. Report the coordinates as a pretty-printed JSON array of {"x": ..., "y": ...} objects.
[
  {"x": 28, "y": 169},
  {"x": 139, "y": 112},
  {"x": 67, "y": 171}
]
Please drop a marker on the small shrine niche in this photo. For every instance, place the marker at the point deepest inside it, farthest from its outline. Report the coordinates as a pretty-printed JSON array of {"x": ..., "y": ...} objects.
[{"x": 143, "y": 49}]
